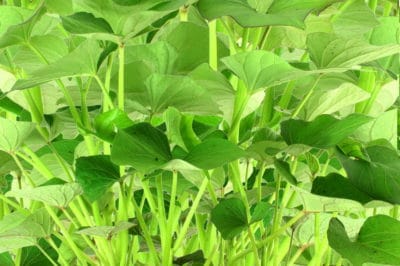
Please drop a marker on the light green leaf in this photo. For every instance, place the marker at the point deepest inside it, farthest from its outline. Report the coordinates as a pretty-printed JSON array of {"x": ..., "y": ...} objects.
[
  {"x": 230, "y": 217},
  {"x": 385, "y": 99},
  {"x": 383, "y": 127},
  {"x": 285, "y": 36},
  {"x": 261, "y": 6},
  {"x": 53, "y": 195},
  {"x": 213, "y": 153},
  {"x": 25, "y": 231},
  {"x": 323, "y": 132},
  {"x": 188, "y": 171},
  {"x": 71, "y": 65},
  {"x": 21, "y": 33},
  {"x": 260, "y": 69},
  {"x": 96, "y": 174},
  {"x": 107, "y": 232},
  {"x": 142, "y": 146},
  {"x": 329, "y": 101},
  {"x": 379, "y": 177},
  {"x": 12, "y": 15},
  {"x": 316, "y": 203},
  {"x": 355, "y": 19},
  {"x": 107, "y": 123},
  {"x": 280, "y": 12},
  {"x": 378, "y": 241},
  {"x": 329, "y": 51},
  {"x": 13, "y": 134}
]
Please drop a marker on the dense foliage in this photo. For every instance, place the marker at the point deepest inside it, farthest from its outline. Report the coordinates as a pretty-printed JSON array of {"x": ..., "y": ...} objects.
[{"x": 209, "y": 132}]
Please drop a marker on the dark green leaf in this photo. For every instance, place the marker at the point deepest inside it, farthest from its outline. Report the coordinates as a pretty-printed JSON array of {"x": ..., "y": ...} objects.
[
  {"x": 280, "y": 12},
  {"x": 261, "y": 211},
  {"x": 378, "y": 176},
  {"x": 230, "y": 218},
  {"x": 378, "y": 241},
  {"x": 107, "y": 123},
  {"x": 213, "y": 153},
  {"x": 5, "y": 259},
  {"x": 337, "y": 186},
  {"x": 323, "y": 132},
  {"x": 141, "y": 146},
  {"x": 196, "y": 257},
  {"x": 284, "y": 170},
  {"x": 96, "y": 174},
  {"x": 82, "y": 23}
]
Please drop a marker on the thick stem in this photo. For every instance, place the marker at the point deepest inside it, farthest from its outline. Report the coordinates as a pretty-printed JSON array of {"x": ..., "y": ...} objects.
[
  {"x": 121, "y": 76},
  {"x": 213, "y": 47}
]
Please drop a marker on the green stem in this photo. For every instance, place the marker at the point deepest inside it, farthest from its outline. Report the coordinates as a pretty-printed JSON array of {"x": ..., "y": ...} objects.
[
  {"x": 82, "y": 257},
  {"x": 306, "y": 98},
  {"x": 121, "y": 76},
  {"x": 213, "y": 47},
  {"x": 270, "y": 238},
  {"x": 189, "y": 217},
  {"x": 241, "y": 99}
]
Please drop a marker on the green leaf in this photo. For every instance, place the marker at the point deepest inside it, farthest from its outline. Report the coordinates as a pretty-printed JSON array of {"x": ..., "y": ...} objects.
[
  {"x": 32, "y": 256},
  {"x": 377, "y": 242},
  {"x": 284, "y": 169},
  {"x": 281, "y": 12},
  {"x": 191, "y": 41},
  {"x": 13, "y": 134},
  {"x": 183, "y": 93},
  {"x": 337, "y": 186},
  {"x": 383, "y": 127},
  {"x": 355, "y": 19},
  {"x": 71, "y": 65},
  {"x": 317, "y": 203},
  {"x": 379, "y": 177},
  {"x": 53, "y": 195},
  {"x": 260, "y": 69},
  {"x": 21, "y": 231},
  {"x": 6, "y": 259},
  {"x": 195, "y": 258},
  {"x": 323, "y": 132},
  {"x": 106, "y": 231},
  {"x": 329, "y": 51},
  {"x": 82, "y": 23},
  {"x": 141, "y": 146},
  {"x": 107, "y": 123},
  {"x": 96, "y": 174},
  {"x": 229, "y": 216},
  {"x": 12, "y": 15},
  {"x": 21, "y": 33},
  {"x": 213, "y": 153},
  {"x": 330, "y": 100},
  {"x": 261, "y": 211}
]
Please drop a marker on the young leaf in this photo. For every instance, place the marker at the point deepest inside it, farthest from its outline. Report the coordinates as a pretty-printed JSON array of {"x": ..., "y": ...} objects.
[
  {"x": 337, "y": 186},
  {"x": 329, "y": 51},
  {"x": 378, "y": 177},
  {"x": 71, "y": 65},
  {"x": 284, "y": 170},
  {"x": 13, "y": 134},
  {"x": 107, "y": 123},
  {"x": 378, "y": 241},
  {"x": 106, "y": 231},
  {"x": 141, "y": 146},
  {"x": 356, "y": 19},
  {"x": 96, "y": 174},
  {"x": 21, "y": 33},
  {"x": 259, "y": 69},
  {"x": 213, "y": 153},
  {"x": 323, "y": 132},
  {"x": 26, "y": 231},
  {"x": 53, "y": 195},
  {"x": 230, "y": 218}
]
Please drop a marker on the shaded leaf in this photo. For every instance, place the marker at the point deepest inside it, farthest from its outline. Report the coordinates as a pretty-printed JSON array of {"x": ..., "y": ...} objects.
[
  {"x": 53, "y": 195},
  {"x": 323, "y": 132},
  {"x": 379, "y": 176},
  {"x": 141, "y": 146},
  {"x": 213, "y": 153},
  {"x": 337, "y": 186},
  {"x": 96, "y": 174},
  {"x": 378, "y": 241},
  {"x": 230, "y": 218}
]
